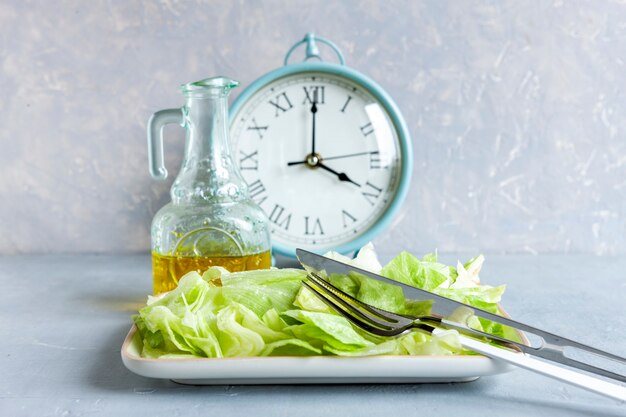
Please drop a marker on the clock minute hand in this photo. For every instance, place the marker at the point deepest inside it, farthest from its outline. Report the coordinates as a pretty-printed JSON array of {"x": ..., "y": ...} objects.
[
  {"x": 341, "y": 175},
  {"x": 313, "y": 111}
]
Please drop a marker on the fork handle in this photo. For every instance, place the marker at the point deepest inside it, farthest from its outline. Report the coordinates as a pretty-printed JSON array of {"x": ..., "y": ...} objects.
[{"x": 523, "y": 360}]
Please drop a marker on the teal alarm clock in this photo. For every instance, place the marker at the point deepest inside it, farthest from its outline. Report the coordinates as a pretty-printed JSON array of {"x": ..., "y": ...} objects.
[{"x": 324, "y": 150}]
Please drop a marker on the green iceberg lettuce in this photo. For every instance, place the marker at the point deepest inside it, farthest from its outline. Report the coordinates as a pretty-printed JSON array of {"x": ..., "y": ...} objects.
[{"x": 269, "y": 313}]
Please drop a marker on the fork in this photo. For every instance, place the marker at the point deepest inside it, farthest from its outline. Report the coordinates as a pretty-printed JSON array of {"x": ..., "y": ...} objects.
[{"x": 385, "y": 323}]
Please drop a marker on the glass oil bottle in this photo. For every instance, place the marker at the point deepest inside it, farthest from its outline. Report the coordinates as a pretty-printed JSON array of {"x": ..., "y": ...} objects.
[{"x": 211, "y": 219}]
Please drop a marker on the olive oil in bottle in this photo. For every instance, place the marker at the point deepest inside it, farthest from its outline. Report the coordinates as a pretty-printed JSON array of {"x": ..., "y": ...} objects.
[{"x": 168, "y": 270}]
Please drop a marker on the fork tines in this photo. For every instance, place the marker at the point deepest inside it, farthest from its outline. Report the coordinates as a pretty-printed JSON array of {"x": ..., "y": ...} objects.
[{"x": 364, "y": 316}]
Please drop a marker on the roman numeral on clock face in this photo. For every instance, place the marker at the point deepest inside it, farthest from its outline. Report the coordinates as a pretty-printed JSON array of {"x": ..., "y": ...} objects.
[
  {"x": 279, "y": 217},
  {"x": 345, "y": 105},
  {"x": 256, "y": 190},
  {"x": 282, "y": 104},
  {"x": 367, "y": 129},
  {"x": 249, "y": 161},
  {"x": 371, "y": 193},
  {"x": 312, "y": 227},
  {"x": 259, "y": 129},
  {"x": 314, "y": 93},
  {"x": 347, "y": 218},
  {"x": 378, "y": 161}
]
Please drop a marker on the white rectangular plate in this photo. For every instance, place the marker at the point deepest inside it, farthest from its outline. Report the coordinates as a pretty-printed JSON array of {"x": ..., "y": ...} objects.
[{"x": 309, "y": 369}]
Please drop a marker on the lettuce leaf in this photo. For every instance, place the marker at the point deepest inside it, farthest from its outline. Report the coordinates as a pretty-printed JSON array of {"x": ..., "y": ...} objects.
[
  {"x": 326, "y": 330},
  {"x": 427, "y": 273}
]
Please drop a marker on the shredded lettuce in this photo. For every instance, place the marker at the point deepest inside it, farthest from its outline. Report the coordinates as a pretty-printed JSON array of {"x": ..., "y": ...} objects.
[{"x": 269, "y": 313}]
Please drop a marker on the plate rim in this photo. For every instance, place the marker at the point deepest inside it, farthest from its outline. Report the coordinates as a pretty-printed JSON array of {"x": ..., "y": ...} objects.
[{"x": 312, "y": 369}]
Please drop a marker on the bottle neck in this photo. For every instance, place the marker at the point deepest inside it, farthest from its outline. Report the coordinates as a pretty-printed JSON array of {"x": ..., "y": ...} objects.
[{"x": 208, "y": 172}]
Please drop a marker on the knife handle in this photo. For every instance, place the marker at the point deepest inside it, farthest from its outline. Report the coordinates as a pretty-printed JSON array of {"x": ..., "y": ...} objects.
[{"x": 522, "y": 360}]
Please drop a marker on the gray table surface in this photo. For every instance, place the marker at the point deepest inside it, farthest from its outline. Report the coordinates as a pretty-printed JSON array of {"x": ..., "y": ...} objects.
[{"x": 63, "y": 320}]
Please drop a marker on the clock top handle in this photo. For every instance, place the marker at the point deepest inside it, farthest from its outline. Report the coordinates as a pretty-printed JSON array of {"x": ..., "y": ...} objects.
[{"x": 312, "y": 51}]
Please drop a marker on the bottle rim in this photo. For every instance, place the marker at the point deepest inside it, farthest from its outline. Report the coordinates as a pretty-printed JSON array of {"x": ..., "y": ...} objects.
[{"x": 219, "y": 83}]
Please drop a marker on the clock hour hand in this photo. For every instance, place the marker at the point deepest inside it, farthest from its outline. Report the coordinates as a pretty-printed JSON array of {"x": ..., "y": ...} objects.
[
  {"x": 296, "y": 163},
  {"x": 341, "y": 175}
]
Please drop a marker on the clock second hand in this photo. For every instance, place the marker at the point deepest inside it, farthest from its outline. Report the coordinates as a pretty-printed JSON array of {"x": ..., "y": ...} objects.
[{"x": 331, "y": 157}]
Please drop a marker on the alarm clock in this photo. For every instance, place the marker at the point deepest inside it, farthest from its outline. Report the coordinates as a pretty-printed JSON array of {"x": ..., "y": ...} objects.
[{"x": 324, "y": 150}]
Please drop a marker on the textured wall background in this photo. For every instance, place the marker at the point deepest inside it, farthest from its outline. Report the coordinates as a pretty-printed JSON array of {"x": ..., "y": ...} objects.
[{"x": 517, "y": 111}]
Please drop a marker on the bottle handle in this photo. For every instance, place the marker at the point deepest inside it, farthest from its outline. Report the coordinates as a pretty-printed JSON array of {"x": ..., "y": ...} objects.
[{"x": 155, "y": 139}]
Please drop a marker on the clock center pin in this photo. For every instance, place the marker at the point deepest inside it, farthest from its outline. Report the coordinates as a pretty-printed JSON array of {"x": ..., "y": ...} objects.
[{"x": 313, "y": 160}]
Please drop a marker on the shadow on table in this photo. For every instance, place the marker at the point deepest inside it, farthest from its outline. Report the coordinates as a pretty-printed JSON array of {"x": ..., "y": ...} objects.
[{"x": 116, "y": 303}]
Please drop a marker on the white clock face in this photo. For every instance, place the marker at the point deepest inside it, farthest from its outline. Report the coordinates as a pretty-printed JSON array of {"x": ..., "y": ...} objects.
[{"x": 320, "y": 156}]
